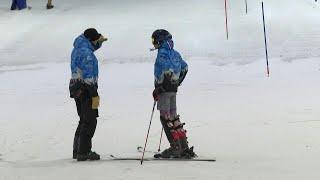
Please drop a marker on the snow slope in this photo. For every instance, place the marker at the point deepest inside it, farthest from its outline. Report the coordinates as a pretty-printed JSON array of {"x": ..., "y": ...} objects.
[
  {"x": 256, "y": 127},
  {"x": 198, "y": 28}
]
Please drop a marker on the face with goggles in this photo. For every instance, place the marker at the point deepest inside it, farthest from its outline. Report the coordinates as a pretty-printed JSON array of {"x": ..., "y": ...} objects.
[{"x": 155, "y": 43}]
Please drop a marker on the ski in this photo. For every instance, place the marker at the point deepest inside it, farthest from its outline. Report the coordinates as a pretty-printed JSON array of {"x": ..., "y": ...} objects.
[
  {"x": 140, "y": 150},
  {"x": 160, "y": 159}
]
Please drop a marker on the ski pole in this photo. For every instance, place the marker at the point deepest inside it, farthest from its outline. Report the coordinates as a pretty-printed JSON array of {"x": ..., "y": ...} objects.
[
  {"x": 145, "y": 144},
  {"x": 265, "y": 41},
  {"x": 160, "y": 140}
]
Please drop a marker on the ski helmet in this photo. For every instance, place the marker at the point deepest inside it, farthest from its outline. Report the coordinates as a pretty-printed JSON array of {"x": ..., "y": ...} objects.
[{"x": 159, "y": 36}]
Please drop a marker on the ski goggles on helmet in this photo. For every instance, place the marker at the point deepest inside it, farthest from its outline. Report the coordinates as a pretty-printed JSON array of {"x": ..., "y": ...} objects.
[{"x": 153, "y": 41}]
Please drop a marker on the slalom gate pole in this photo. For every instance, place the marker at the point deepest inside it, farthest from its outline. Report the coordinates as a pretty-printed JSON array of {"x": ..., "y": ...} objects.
[
  {"x": 145, "y": 144},
  {"x": 265, "y": 41},
  {"x": 246, "y": 6},
  {"x": 160, "y": 140},
  {"x": 226, "y": 14}
]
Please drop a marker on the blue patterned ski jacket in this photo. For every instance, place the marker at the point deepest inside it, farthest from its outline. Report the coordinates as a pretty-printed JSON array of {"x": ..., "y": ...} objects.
[
  {"x": 84, "y": 64},
  {"x": 169, "y": 69}
]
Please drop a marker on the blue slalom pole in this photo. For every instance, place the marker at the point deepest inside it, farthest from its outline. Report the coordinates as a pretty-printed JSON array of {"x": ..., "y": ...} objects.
[{"x": 265, "y": 40}]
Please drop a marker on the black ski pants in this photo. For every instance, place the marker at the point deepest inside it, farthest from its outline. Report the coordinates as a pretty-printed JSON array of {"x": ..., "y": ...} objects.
[{"x": 87, "y": 125}]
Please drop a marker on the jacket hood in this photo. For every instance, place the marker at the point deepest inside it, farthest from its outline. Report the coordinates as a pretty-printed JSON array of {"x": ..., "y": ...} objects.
[{"x": 82, "y": 42}]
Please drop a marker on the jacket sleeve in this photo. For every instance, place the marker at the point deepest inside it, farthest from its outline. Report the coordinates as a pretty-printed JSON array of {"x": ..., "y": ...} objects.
[
  {"x": 161, "y": 68},
  {"x": 88, "y": 74}
]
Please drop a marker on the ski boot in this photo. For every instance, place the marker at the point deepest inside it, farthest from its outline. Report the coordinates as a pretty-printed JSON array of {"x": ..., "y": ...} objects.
[
  {"x": 49, "y": 6},
  {"x": 188, "y": 153},
  {"x": 181, "y": 134},
  {"x": 174, "y": 151},
  {"x": 89, "y": 156}
]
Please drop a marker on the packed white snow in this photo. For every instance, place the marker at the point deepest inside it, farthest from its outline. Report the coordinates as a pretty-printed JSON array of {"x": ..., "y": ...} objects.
[{"x": 256, "y": 127}]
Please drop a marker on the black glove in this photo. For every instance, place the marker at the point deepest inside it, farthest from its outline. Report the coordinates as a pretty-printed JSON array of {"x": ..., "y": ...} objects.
[
  {"x": 156, "y": 93},
  {"x": 75, "y": 88}
]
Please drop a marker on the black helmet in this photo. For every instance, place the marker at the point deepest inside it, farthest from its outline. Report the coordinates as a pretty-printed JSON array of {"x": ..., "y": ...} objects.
[{"x": 159, "y": 36}]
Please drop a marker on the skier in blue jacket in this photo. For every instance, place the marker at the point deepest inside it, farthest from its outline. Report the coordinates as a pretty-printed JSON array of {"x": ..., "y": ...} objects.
[
  {"x": 169, "y": 72},
  {"x": 84, "y": 89},
  {"x": 18, "y": 4}
]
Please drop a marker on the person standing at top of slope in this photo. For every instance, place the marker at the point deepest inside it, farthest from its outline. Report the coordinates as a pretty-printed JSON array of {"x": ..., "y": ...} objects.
[
  {"x": 169, "y": 71},
  {"x": 19, "y": 4},
  {"x": 49, "y": 4},
  {"x": 84, "y": 89}
]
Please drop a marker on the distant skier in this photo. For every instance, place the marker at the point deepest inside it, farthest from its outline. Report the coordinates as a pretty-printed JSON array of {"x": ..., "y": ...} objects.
[
  {"x": 19, "y": 4},
  {"x": 49, "y": 4},
  {"x": 169, "y": 71},
  {"x": 83, "y": 88}
]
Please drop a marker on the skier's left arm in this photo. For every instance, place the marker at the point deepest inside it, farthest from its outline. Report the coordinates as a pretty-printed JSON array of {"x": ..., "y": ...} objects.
[
  {"x": 160, "y": 68},
  {"x": 90, "y": 74}
]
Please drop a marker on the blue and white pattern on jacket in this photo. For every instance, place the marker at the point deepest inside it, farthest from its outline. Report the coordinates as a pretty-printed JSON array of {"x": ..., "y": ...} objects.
[
  {"x": 168, "y": 61},
  {"x": 84, "y": 64}
]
